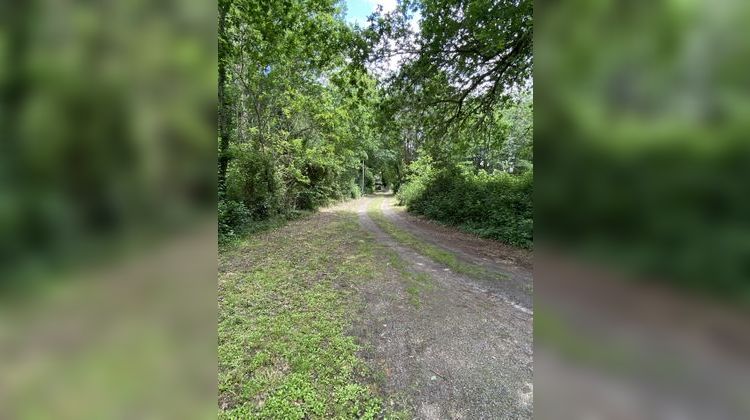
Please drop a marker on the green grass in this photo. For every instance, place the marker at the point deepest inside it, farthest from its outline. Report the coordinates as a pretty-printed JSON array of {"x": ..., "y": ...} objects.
[
  {"x": 285, "y": 304},
  {"x": 416, "y": 283},
  {"x": 437, "y": 254}
]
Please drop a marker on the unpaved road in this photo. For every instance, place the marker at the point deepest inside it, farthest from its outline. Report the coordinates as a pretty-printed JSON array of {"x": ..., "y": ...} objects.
[{"x": 465, "y": 351}]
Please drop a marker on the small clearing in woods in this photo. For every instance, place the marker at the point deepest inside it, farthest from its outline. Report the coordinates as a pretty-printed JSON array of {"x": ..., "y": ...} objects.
[{"x": 361, "y": 311}]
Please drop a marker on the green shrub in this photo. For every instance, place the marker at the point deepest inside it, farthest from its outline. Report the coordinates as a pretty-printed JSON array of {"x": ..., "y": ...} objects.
[
  {"x": 232, "y": 216},
  {"x": 270, "y": 190},
  {"x": 421, "y": 173},
  {"x": 353, "y": 190},
  {"x": 496, "y": 206}
]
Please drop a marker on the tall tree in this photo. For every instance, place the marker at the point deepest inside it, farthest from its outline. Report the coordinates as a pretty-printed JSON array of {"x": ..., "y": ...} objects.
[
  {"x": 297, "y": 107},
  {"x": 225, "y": 121},
  {"x": 459, "y": 58}
]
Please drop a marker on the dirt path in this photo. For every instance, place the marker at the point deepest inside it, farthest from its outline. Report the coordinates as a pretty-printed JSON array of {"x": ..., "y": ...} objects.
[
  {"x": 513, "y": 263},
  {"x": 464, "y": 351}
]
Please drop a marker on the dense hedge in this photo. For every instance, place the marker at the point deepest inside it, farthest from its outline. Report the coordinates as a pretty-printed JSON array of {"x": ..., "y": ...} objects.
[
  {"x": 261, "y": 189},
  {"x": 496, "y": 206}
]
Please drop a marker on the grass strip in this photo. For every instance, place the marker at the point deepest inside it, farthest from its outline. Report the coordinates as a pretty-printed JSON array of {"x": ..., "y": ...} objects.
[
  {"x": 435, "y": 253},
  {"x": 416, "y": 283}
]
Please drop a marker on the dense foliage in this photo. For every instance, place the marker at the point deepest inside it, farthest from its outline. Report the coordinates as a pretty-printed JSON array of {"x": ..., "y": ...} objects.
[
  {"x": 295, "y": 113},
  {"x": 460, "y": 108},
  {"x": 309, "y": 106},
  {"x": 496, "y": 205}
]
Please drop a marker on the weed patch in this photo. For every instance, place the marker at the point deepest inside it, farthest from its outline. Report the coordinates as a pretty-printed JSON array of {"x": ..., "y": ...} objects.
[{"x": 284, "y": 307}]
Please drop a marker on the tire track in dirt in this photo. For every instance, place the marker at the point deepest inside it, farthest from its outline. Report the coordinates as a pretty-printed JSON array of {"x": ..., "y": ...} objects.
[
  {"x": 490, "y": 255},
  {"x": 464, "y": 352}
]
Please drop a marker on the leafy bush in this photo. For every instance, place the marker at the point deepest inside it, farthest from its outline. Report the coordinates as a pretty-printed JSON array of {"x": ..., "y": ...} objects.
[
  {"x": 496, "y": 205},
  {"x": 354, "y": 191},
  {"x": 420, "y": 174},
  {"x": 232, "y": 216}
]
